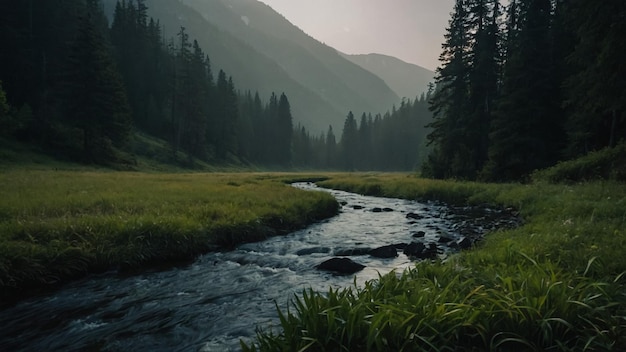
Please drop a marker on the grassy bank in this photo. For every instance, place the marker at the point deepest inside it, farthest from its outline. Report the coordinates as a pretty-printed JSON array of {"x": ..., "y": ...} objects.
[
  {"x": 555, "y": 283},
  {"x": 59, "y": 225}
]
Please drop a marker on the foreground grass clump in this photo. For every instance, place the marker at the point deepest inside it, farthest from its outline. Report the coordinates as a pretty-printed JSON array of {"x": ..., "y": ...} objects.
[
  {"x": 57, "y": 225},
  {"x": 555, "y": 283}
]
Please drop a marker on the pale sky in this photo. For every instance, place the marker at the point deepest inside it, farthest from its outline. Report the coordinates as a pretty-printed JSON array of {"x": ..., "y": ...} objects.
[{"x": 411, "y": 30}]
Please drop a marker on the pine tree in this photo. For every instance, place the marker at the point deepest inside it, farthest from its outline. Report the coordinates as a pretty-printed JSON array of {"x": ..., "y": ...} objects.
[
  {"x": 450, "y": 156},
  {"x": 596, "y": 92},
  {"x": 349, "y": 142},
  {"x": 330, "y": 159},
  {"x": 483, "y": 80},
  {"x": 226, "y": 115},
  {"x": 526, "y": 130},
  {"x": 284, "y": 128},
  {"x": 96, "y": 99}
]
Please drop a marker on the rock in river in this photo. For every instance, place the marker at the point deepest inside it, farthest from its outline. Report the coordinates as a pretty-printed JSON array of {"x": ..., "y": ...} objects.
[
  {"x": 384, "y": 252},
  {"x": 341, "y": 265}
]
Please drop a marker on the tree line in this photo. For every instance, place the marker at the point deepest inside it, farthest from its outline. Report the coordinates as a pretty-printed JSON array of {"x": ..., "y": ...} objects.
[
  {"x": 80, "y": 88},
  {"x": 522, "y": 87},
  {"x": 395, "y": 141}
]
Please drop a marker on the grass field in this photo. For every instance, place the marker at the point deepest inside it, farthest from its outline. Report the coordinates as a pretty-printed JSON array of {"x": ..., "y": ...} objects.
[
  {"x": 59, "y": 225},
  {"x": 555, "y": 283}
]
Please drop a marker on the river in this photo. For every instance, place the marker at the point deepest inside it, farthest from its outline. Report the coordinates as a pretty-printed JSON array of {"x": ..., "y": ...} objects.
[{"x": 222, "y": 297}]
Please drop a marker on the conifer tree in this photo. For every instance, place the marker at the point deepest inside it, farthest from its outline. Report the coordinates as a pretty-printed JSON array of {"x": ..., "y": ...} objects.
[
  {"x": 527, "y": 131},
  {"x": 450, "y": 155},
  {"x": 284, "y": 128},
  {"x": 349, "y": 142},
  {"x": 330, "y": 156},
  {"x": 596, "y": 90},
  {"x": 96, "y": 100}
]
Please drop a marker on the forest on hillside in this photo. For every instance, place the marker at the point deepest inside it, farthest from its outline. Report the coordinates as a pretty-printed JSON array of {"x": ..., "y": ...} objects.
[
  {"x": 520, "y": 88},
  {"x": 80, "y": 86}
]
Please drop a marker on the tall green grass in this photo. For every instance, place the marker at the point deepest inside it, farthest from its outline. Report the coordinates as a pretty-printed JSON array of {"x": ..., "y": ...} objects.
[
  {"x": 57, "y": 225},
  {"x": 556, "y": 283}
]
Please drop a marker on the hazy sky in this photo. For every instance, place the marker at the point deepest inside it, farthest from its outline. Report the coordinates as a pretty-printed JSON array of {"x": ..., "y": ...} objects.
[{"x": 411, "y": 30}]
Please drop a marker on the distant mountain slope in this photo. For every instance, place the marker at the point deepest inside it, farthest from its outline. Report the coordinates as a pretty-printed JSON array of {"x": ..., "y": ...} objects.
[
  {"x": 313, "y": 64},
  {"x": 265, "y": 52},
  {"x": 407, "y": 80}
]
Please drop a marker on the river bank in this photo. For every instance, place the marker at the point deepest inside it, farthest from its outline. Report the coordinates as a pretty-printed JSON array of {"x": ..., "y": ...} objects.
[
  {"x": 555, "y": 283},
  {"x": 58, "y": 226},
  {"x": 220, "y": 298}
]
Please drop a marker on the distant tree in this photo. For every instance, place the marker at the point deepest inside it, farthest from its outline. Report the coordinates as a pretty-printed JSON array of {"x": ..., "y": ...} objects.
[
  {"x": 365, "y": 143},
  {"x": 283, "y": 126},
  {"x": 330, "y": 156},
  {"x": 302, "y": 147},
  {"x": 225, "y": 117},
  {"x": 95, "y": 97},
  {"x": 349, "y": 142}
]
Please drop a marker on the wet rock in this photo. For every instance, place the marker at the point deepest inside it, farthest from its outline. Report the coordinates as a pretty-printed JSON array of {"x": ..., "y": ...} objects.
[
  {"x": 387, "y": 210},
  {"x": 347, "y": 252},
  {"x": 418, "y": 250},
  {"x": 400, "y": 245},
  {"x": 307, "y": 251},
  {"x": 414, "y": 216},
  {"x": 444, "y": 239},
  {"x": 341, "y": 265},
  {"x": 357, "y": 207},
  {"x": 432, "y": 251},
  {"x": 465, "y": 243},
  {"x": 377, "y": 210},
  {"x": 419, "y": 234},
  {"x": 414, "y": 249},
  {"x": 384, "y": 252}
]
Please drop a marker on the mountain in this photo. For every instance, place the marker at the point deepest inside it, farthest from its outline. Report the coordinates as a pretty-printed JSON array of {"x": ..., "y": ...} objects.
[
  {"x": 266, "y": 53},
  {"x": 407, "y": 80}
]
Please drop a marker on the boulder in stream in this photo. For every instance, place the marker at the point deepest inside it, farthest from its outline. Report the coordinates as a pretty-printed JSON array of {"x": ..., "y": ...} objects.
[
  {"x": 389, "y": 251},
  {"x": 414, "y": 249},
  {"x": 420, "y": 251},
  {"x": 465, "y": 243},
  {"x": 341, "y": 266},
  {"x": 414, "y": 216}
]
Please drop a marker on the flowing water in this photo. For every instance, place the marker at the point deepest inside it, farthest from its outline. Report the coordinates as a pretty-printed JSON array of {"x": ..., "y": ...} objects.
[{"x": 220, "y": 298}]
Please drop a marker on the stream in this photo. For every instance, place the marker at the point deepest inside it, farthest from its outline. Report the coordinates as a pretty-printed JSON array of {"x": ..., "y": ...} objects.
[{"x": 222, "y": 297}]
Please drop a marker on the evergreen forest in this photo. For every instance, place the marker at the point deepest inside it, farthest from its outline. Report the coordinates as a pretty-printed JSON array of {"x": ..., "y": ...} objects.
[
  {"x": 525, "y": 86},
  {"x": 521, "y": 86}
]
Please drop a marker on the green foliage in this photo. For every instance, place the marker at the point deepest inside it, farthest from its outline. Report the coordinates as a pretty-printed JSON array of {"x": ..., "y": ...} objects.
[
  {"x": 515, "y": 98},
  {"x": 554, "y": 283},
  {"x": 59, "y": 225},
  {"x": 608, "y": 164},
  {"x": 467, "y": 89}
]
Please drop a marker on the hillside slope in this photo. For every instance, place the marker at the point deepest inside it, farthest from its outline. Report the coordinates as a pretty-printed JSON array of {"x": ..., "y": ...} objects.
[
  {"x": 266, "y": 53},
  {"x": 406, "y": 79}
]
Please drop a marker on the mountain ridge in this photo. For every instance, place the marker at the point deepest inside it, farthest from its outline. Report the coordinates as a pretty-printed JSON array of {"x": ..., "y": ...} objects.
[
  {"x": 406, "y": 79},
  {"x": 265, "y": 52}
]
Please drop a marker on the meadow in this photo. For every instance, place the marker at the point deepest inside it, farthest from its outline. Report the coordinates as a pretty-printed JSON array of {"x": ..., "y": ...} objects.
[
  {"x": 555, "y": 283},
  {"x": 61, "y": 225}
]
